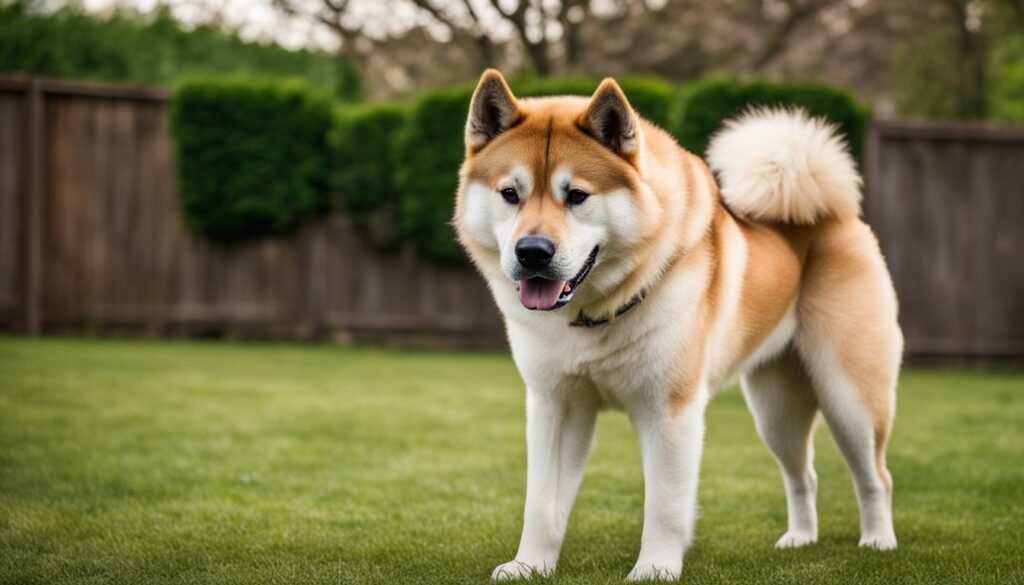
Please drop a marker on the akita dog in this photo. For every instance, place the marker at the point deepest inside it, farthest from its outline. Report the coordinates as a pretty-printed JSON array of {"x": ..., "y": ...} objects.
[{"x": 629, "y": 277}]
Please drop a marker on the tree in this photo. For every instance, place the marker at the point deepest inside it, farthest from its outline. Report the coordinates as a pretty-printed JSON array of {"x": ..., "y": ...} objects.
[
  {"x": 959, "y": 58},
  {"x": 151, "y": 49},
  {"x": 578, "y": 36}
]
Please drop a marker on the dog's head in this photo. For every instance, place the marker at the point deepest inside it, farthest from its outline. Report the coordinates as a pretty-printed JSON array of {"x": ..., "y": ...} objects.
[{"x": 552, "y": 193}]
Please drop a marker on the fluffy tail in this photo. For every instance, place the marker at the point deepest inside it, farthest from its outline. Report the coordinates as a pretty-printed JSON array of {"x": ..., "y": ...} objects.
[{"x": 782, "y": 165}]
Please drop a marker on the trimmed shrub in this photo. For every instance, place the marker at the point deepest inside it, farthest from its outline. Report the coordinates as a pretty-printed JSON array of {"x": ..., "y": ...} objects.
[
  {"x": 430, "y": 149},
  {"x": 702, "y": 107},
  {"x": 363, "y": 170},
  {"x": 428, "y": 152},
  {"x": 251, "y": 156},
  {"x": 257, "y": 158}
]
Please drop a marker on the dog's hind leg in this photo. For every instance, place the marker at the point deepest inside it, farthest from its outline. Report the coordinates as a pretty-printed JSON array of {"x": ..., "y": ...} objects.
[
  {"x": 781, "y": 398},
  {"x": 861, "y": 433},
  {"x": 851, "y": 345}
]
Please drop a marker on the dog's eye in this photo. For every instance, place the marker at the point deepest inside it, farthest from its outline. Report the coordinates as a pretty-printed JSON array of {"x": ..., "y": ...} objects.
[
  {"x": 576, "y": 196},
  {"x": 510, "y": 195}
]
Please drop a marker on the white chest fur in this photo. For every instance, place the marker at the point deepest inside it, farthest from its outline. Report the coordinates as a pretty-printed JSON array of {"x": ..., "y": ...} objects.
[{"x": 635, "y": 358}]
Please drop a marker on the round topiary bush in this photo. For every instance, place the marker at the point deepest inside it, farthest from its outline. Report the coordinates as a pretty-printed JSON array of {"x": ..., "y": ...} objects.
[{"x": 428, "y": 152}]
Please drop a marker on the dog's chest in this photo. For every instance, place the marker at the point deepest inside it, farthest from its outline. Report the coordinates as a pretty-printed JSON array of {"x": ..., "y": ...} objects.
[
  {"x": 612, "y": 373},
  {"x": 621, "y": 362}
]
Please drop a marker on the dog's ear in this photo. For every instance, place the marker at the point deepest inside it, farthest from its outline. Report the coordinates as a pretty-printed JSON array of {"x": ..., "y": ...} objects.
[
  {"x": 611, "y": 120},
  {"x": 492, "y": 111}
]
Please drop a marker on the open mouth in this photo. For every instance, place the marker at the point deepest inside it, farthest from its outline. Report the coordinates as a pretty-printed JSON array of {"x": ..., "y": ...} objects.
[{"x": 545, "y": 294}]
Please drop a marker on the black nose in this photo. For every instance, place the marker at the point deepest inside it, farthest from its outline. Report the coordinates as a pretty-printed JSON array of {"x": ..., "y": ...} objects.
[{"x": 535, "y": 252}]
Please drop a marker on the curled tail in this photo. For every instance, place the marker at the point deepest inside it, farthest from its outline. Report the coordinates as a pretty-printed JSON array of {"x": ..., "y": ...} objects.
[{"x": 776, "y": 164}]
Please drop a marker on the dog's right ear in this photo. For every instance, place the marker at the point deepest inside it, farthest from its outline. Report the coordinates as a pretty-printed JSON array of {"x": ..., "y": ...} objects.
[{"x": 492, "y": 111}]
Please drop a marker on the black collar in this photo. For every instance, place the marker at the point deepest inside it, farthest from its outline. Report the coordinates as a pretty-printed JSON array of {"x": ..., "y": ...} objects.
[{"x": 584, "y": 321}]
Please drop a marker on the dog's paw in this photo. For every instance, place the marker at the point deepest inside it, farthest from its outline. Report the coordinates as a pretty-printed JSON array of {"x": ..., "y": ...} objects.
[
  {"x": 878, "y": 542},
  {"x": 515, "y": 570},
  {"x": 796, "y": 540},
  {"x": 653, "y": 572}
]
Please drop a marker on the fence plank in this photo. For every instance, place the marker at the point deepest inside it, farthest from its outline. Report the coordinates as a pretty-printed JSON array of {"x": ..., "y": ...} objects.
[
  {"x": 34, "y": 210},
  {"x": 12, "y": 216}
]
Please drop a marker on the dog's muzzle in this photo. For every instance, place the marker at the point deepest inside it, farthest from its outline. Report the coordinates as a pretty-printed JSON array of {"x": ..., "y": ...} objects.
[{"x": 547, "y": 294}]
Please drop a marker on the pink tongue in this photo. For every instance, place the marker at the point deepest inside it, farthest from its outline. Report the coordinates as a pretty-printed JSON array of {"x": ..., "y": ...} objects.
[{"x": 539, "y": 293}]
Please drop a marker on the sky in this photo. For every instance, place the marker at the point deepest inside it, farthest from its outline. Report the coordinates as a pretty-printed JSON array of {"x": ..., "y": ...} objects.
[{"x": 253, "y": 19}]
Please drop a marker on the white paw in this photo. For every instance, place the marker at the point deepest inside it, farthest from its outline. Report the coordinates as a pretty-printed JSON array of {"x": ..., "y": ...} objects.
[
  {"x": 879, "y": 542},
  {"x": 514, "y": 570},
  {"x": 796, "y": 539},
  {"x": 654, "y": 572}
]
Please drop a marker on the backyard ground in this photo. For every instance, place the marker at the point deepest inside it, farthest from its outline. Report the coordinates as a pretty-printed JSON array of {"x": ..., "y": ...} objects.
[{"x": 175, "y": 462}]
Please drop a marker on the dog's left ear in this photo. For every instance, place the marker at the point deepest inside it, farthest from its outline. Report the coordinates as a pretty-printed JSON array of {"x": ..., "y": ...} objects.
[
  {"x": 492, "y": 110},
  {"x": 611, "y": 120}
]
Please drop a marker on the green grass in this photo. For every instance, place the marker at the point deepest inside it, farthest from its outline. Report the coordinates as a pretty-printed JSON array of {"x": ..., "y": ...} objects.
[{"x": 145, "y": 462}]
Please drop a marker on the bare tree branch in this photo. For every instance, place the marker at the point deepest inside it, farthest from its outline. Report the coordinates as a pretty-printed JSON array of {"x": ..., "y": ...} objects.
[
  {"x": 570, "y": 29},
  {"x": 487, "y": 48},
  {"x": 472, "y": 11},
  {"x": 438, "y": 14},
  {"x": 474, "y": 28},
  {"x": 799, "y": 12},
  {"x": 537, "y": 52}
]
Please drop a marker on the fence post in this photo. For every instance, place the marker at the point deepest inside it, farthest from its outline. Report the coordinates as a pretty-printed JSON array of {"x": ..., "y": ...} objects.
[{"x": 34, "y": 210}]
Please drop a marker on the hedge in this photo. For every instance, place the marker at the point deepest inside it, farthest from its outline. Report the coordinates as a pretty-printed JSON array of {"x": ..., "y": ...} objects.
[
  {"x": 702, "y": 107},
  {"x": 363, "y": 170},
  {"x": 430, "y": 149},
  {"x": 251, "y": 156}
]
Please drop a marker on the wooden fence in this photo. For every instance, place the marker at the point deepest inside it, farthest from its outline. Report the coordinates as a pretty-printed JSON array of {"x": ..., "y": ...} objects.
[
  {"x": 91, "y": 240},
  {"x": 947, "y": 203}
]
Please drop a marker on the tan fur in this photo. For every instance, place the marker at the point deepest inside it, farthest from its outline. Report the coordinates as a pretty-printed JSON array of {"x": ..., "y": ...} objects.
[
  {"x": 848, "y": 295},
  {"x": 775, "y": 257},
  {"x": 705, "y": 255}
]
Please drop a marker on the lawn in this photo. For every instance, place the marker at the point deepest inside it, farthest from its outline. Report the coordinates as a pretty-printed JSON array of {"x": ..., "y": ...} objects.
[{"x": 157, "y": 462}]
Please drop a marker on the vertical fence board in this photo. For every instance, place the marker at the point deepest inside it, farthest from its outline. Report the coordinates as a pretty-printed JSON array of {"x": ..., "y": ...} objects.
[
  {"x": 12, "y": 185},
  {"x": 34, "y": 208}
]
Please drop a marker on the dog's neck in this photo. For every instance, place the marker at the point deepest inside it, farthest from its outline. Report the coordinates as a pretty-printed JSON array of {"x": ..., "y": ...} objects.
[
  {"x": 582, "y": 320},
  {"x": 687, "y": 216}
]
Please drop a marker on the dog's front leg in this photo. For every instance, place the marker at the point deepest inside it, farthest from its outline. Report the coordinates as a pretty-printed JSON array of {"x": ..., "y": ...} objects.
[
  {"x": 559, "y": 431},
  {"x": 671, "y": 440}
]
